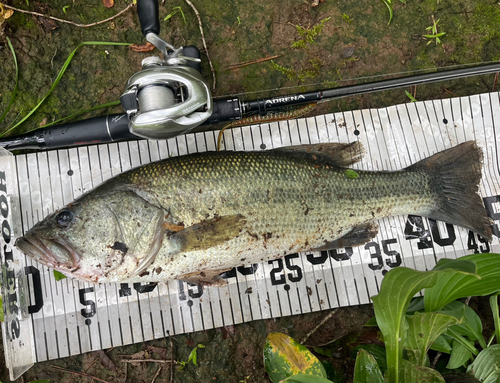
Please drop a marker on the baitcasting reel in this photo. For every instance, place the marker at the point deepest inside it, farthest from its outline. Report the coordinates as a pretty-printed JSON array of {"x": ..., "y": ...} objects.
[{"x": 168, "y": 96}]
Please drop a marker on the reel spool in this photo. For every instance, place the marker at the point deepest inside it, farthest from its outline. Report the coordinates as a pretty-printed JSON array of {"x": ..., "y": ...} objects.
[{"x": 167, "y": 97}]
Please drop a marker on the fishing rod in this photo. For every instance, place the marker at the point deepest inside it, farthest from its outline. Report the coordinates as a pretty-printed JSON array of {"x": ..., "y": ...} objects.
[{"x": 168, "y": 97}]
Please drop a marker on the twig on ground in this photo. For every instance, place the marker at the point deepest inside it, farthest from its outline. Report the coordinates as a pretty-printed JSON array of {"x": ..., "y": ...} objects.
[
  {"x": 171, "y": 357},
  {"x": 156, "y": 375},
  {"x": 79, "y": 373},
  {"x": 435, "y": 360},
  {"x": 325, "y": 319},
  {"x": 95, "y": 360},
  {"x": 245, "y": 63},
  {"x": 147, "y": 360},
  {"x": 453, "y": 94},
  {"x": 67, "y": 21},
  {"x": 203, "y": 40}
]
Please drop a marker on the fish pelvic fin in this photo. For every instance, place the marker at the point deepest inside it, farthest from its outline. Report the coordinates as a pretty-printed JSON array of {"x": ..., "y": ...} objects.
[
  {"x": 456, "y": 174},
  {"x": 340, "y": 154},
  {"x": 205, "y": 278},
  {"x": 358, "y": 236}
]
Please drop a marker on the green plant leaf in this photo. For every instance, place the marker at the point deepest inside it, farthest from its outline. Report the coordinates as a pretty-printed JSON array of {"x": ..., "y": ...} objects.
[
  {"x": 378, "y": 352},
  {"x": 423, "y": 330},
  {"x": 284, "y": 357},
  {"x": 397, "y": 289},
  {"x": 389, "y": 7},
  {"x": 40, "y": 381},
  {"x": 305, "y": 378},
  {"x": 472, "y": 326},
  {"x": 349, "y": 173},
  {"x": 14, "y": 93},
  {"x": 410, "y": 96},
  {"x": 442, "y": 344},
  {"x": 417, "y": 374},
  {"x": 58, "y": 275},
  {"x": 58, "y": 78},
  {"x": 460, "y": 339},
  {"x": 486, "y": 367},
  {"x": 451, "y": 286},
  {"x": 459, "y": 355},
  {"x": 366, "y": 369},
  {"x": 496, "y": 316}
]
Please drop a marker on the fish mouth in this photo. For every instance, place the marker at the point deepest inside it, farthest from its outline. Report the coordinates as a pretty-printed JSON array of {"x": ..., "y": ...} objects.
[{"x": 55, "y": 253}]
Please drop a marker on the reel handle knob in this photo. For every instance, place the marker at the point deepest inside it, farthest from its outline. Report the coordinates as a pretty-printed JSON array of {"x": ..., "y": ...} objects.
[{"x": 149, "y": 16}]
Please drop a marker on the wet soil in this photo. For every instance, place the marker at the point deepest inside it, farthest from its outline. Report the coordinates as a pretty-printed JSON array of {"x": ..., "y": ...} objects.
[{"x": 356, "y": 44}]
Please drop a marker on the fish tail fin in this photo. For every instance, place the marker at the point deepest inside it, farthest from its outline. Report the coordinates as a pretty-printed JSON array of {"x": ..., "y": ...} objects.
[{"x": 456, "y": 174}]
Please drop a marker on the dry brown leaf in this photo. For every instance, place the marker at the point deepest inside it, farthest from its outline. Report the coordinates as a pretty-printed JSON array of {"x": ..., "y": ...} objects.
[
  {"x": 105, "y": 361},
  {"x": 8, "y": 13},
  {"x": 162, "y": 352},
  {"x": 108, "y": 3},
  {"x": 5, "y": 14},
  {"x": 148, "y": 47}
]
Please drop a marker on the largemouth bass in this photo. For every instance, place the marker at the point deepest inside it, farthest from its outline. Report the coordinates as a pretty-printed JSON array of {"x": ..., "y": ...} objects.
[{"x": 194, "y": 217}]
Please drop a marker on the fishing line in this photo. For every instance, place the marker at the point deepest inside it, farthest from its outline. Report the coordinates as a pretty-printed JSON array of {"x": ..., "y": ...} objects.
[{"x": 428, "y": 70}]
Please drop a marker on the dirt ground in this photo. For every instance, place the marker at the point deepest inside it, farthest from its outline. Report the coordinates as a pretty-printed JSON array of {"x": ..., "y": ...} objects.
[{"x": 356, "y": 44}]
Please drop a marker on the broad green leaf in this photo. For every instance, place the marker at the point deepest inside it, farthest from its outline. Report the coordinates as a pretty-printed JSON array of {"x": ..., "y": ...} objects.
[
  {"x": 423, "y": 330},
  {"x": 2, "y": 315},
  {"x": 372, "y": 322},
  {"x": 366, "y": 369},
  {"x": 397, "y": 289},
  {"x": 58, "y": 275},
  {"x": 284, "y": 357},
  {"x": 462, "y": 264},
  {"x": 305, "y": 378},
  {"x": 451, "y": 287},
  {"x": 472, "y": 326},
  {"x": 416, "y": 304},
  {"x": 378, "y": 352},
  {"x": 462, "y": 340},
  {"x": 442, "y": 344},
  {"x": 496, "y": 317},
  {"x": 40, "y": 381},
  {"x": 486, "y": 367},
  {"x": 459, "y": 355},
  {"x": 415, "y": 374}
]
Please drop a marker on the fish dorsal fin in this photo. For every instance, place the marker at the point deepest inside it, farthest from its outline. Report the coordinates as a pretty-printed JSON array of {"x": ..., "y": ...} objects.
[
  {"x": 207, "y": 234},
  {"x": 339, "y": 153},
  {"x": 356, "y": 237}
]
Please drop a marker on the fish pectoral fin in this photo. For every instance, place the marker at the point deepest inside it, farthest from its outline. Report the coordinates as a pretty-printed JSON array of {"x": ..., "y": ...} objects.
[
  {"x": 207, "y": 234},
  {"x": 340, "y": 154},
  {"x": 356, "y": 237},
  {"x": 205, "y": 278}
]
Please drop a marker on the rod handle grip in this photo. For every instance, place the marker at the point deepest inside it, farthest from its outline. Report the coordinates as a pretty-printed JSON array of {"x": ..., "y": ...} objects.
[{"x": 149, "y": 16}]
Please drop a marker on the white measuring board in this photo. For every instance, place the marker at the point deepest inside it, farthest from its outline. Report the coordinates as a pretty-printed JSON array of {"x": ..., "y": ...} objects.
[{"x": 49, "y": 319}]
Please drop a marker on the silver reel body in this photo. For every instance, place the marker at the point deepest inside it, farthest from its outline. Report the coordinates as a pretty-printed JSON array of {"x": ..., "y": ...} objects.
[{"x": 166, "y": 98}]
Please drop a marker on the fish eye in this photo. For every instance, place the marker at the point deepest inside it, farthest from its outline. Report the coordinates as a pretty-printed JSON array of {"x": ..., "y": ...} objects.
[{"x": 64, "y": 218}]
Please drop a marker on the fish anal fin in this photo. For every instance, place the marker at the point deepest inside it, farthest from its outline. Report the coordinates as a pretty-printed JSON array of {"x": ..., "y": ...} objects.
[
  {"x": 339, "y": 153},
  {"x": 205, "y": 278},
  {"x": 207, "y": 234},
  {"x": 358, "y": 236}
]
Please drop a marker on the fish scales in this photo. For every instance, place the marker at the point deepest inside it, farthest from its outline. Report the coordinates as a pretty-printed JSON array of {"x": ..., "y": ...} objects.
[{"x": 192, "y": 217}]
